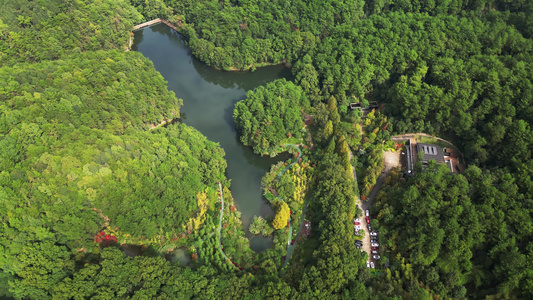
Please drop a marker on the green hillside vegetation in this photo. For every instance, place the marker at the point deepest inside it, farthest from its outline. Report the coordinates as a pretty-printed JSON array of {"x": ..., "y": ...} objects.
[
  {"x": 39, "y": 30},
  {"x": 94, "y": 89},
  {"x": 458, "y": 233},
  {"x": 78, "y": 156}
]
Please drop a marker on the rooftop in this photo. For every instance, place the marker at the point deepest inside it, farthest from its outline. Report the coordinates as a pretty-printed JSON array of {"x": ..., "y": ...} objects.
[{"x": 431, "y": 152}]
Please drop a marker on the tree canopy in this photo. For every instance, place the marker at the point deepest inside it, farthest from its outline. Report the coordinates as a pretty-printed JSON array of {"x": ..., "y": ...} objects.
[
  {"x": 270, "y": 115},
  {"x": 89, "y": 150}
]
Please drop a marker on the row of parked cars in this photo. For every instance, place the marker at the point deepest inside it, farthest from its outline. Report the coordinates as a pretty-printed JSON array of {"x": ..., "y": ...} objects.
[
  {"x": 357, "y": 226},
  {"x": 374, "y": 243}
]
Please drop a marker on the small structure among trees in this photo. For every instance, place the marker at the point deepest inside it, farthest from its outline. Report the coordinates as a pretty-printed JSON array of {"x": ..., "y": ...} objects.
[{"x": 364, "y": 105}]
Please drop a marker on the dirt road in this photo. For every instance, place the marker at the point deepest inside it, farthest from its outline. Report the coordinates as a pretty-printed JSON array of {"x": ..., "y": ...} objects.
[{"x": 391, "y": 160}]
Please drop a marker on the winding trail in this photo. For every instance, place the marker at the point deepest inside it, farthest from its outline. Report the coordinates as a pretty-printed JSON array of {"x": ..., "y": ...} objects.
[
  {"x": 290, "y": 248},
  {"x": 220, "y": 226},
  {"x": 279, "y": 175}
]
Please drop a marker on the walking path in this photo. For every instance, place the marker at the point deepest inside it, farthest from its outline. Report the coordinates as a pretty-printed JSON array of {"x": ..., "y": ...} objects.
[
  {"x": 290, "y": 248},
  {"x": 220, "y": 226},
  {"x": 153, "y": 22},
  {"x": 146, "y": 24}
]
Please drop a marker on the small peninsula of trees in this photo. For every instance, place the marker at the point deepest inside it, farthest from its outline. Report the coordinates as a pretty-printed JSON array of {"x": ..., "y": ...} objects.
[
  {"x": 270, "y": 115},
  {"x": 260, "y": 226}
]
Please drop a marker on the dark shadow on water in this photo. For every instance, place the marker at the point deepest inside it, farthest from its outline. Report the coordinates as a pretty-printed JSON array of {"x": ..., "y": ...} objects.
[
  {"x": 246, "y": 80},
  {"x": 228, "y": 112},
  {"x": 138, "y": 37}
]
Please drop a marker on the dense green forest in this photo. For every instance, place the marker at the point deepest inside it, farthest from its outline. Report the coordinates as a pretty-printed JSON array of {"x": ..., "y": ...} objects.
[
  {"x": 81, "y": 154},
  {"x": 270, "y": 115},
  {"x": 38, "y": 30},
  {"x": 77, "y": 159},
  {"x": 458, "y": 233}
]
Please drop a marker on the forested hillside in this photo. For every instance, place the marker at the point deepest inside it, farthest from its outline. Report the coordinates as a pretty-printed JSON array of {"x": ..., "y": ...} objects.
[
  {"x": 37, "y": 30},
  {"x": 78, "y": 153},
  {"x": 94, "y": 89},
  {"x": 82, "y": 166},
  {"x": 76, "y": 159},
  {"x": 459, "y": 234}
]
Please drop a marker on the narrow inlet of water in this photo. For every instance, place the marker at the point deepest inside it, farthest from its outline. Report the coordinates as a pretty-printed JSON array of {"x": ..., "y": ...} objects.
[{"x": 209, "y": 97}]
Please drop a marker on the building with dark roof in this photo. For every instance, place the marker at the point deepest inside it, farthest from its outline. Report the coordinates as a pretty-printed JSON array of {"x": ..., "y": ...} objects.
[
  {"x": 371, "y": 105},
  {"x": 430, "y": 152}
]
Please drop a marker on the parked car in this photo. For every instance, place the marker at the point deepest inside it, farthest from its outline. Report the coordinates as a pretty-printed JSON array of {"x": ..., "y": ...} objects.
[
  {"x": 357, "y": 223},
  {"x": 374, "y": 241},
  {"x": 367, "y": 213},
  {"x": 373, "y": 233},
  {"x": 368, "y": 264},
  {"x": 374, "y": 244},
  {"x": 358, "y": 242},
  {"x": 375, "y": 248},
  {"x": 357, "y": 220},
  {"x": 367, "y": 220},
  {"x": 374, "y": 252},
  {"x": 357, "y": 227},
  {"x": 376, "y": 257},
  {"x": 369, "y": 227},
  {"x": 372, "y": 264}
]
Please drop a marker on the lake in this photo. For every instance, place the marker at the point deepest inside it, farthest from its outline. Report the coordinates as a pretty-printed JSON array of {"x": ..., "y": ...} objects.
[{"x": 209, "y": 97}]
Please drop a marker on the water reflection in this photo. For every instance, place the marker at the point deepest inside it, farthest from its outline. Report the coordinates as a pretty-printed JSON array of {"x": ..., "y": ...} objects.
[{"x": 241, "y": 80}]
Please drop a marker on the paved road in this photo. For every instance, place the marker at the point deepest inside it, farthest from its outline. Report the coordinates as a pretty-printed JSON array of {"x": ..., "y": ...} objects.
[
  {"x": 366, "y": 239},
  {"x": 362, "y": 205}
]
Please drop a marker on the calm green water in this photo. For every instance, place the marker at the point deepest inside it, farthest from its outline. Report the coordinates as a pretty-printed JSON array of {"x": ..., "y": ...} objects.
[{"x": 209, "y": 97}]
